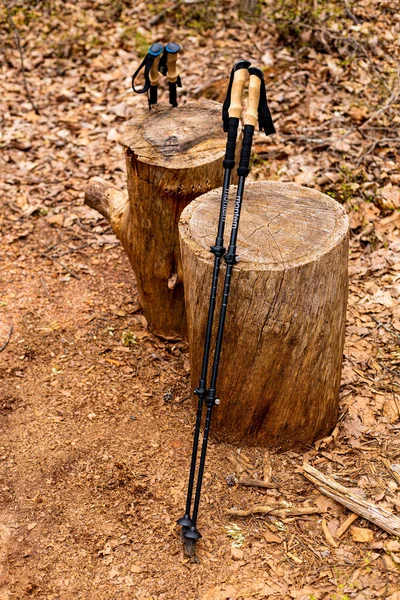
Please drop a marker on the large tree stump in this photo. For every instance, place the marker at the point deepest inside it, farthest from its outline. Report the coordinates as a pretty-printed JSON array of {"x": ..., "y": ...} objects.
[
  {"x": 172, "y": 156},
  {"x": 281, "y": 360}
]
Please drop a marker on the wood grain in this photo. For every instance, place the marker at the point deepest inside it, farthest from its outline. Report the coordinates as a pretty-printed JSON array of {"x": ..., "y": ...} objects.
[
  {"x": 362, "y": 507},
  {"x": 282, "y": 352},
  {"x": 173, "y": 155}
]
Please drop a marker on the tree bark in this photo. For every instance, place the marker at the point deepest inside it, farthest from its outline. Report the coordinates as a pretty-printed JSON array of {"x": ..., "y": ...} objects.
[
  {"x": 172, "y": 156},
  {"x": 280, "y": 366}
]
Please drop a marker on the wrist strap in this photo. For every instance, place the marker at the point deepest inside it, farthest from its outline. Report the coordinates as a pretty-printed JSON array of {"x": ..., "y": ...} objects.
[
  {"x": 264, "y": 116},
  {"x": 146, "y": 64}
]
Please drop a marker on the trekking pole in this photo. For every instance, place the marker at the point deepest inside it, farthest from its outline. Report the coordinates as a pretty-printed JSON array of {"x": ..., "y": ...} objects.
[
  {"x": 257, "y": 111},
  {"x": 231, "y": 112},
  {"x": 150, "y": 64},
  {"x": 168, "y": 68}
]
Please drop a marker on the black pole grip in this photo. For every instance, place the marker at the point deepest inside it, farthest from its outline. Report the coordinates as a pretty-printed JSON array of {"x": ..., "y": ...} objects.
[
  {"x": 153, "y": 95},
  {"x": 243, "y": 169},
  {"x": 229, "y": 160},
  {"x": 172, "y": 93}
]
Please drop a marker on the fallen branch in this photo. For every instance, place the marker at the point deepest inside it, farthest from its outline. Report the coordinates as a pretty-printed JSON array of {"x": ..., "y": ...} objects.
[
  {"x": 248, "y": 482},
  {"x": 281, "y": 510},
  {"x": 375, "y": 514},
  {"x": 7, "y": 339}
]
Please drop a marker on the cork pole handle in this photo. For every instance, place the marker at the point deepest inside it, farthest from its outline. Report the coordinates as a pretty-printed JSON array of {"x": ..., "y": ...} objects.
[
  {"x": 235, "y": 108},
  {"x": 251, "y": 114},
  {"x": 154, "y": 76},
  {"x": 172, "y": 73}
]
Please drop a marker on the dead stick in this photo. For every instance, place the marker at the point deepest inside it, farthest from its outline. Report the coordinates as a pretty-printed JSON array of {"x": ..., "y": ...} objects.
[
  {"x": 45, "y": 288},
  {"x": 328, "y": 535},
  {"x": 61, "y": 265},
  {"x": 377, "y": 515},
  {"x": 274, "y": 511},
  {"x": 345, "y": 525},
  {"x": 7, "y": 339},
  {"x": 248, "y": 482},
  {"x": 21, "y": 55}
]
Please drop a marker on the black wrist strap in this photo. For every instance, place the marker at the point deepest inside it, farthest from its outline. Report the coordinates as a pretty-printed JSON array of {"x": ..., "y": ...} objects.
[
  {"x": 146, "y": 65},
  {"x": 264, "y": 116},
  {"x": 227, "y": 102}
]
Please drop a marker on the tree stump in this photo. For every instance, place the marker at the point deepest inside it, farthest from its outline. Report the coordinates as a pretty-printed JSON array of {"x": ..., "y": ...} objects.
[
  {"x": 281, "y": 359},
  {"x": 172, "y": 155}
]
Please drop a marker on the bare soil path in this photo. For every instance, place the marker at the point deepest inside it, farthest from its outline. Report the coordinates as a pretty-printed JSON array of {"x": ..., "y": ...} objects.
[{"x": 95, "y": 413}]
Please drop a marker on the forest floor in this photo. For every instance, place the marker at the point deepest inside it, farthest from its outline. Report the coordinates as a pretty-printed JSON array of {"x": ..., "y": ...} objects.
[{"x": 96, "y": 435}]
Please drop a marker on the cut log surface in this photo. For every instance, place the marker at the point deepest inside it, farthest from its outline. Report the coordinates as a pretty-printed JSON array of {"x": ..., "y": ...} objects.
[
  {"x": 172, "y": 155},
  {"x": 189, "y": 136},
  {"x": 281, "y": 360}
]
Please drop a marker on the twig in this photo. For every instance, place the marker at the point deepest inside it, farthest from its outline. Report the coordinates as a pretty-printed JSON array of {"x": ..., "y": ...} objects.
[
  {"x": 351, "y": 15},
  {"x": 328, "y": 535},
  {"x": 21, "y": 55},
  {"x": 248, "y": 482},
  {"x": 71, "y": 251},
  {"x": 282, "y": 511},
  {"x": 44, "y": 286},
  {"x": 385, "y": 593},
  {"x": 345, "y": 525},
  {"x": 385, "y": 327},
  {"x": 393, "y": 98},
  {"x": 61, "y": 265},
  {"x": 328, "y": 486},
  {"x": 7, "y": 339},
  {"x": 387, "y": 464},
  {"x": 162, "y": 14}
]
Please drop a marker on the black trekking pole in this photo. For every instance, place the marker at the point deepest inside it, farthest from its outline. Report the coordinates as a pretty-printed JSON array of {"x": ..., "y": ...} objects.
[
  {"x": 231, "y": 112},
  {"x": 257, "y": 111},
  {"x": 168, "y": 67},
  {"x": 150, "y": 64}
]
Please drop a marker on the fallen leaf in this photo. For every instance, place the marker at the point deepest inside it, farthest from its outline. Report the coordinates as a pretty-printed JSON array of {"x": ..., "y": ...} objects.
[
  {"x": 271, "y": 538},
  {"x": 361, "y": 534},
  {"x": 358, "y": 113},
  {"x": 391, "y": 194}
]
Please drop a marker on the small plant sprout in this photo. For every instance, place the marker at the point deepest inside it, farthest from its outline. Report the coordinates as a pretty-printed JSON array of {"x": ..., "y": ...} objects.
[
  {"x": 128, "y": 339},
  {"x": 236, "y": 534}
]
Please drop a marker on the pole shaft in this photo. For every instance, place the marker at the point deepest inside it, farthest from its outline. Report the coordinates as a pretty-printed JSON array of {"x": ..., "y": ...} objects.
[
  {"x": 227, "y": 283},
  {"x": 207, "y": 344},
  {"x": 221, "y": 325},
  {"x": 217, "y": 263},
  {"x": 201, "y": 467}
]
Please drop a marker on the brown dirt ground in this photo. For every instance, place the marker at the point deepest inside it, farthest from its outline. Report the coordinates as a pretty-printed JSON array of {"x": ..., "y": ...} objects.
[{"x": 96, "y": 436}]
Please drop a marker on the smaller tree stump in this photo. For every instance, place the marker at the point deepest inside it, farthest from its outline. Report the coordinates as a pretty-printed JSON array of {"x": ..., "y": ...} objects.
[
  {"x": 281, "y": 358},
  {"x": 172, "y": 156}
]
